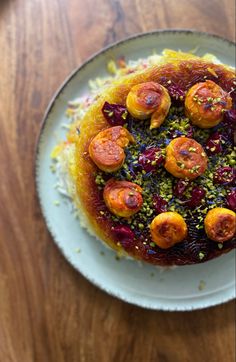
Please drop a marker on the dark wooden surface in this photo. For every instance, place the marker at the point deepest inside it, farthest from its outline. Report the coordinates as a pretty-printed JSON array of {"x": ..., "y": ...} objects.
[{"x": 48, "y": 312}]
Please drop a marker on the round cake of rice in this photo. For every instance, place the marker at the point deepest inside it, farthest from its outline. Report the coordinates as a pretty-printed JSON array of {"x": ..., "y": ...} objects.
[{"x": 149, "y": 162}]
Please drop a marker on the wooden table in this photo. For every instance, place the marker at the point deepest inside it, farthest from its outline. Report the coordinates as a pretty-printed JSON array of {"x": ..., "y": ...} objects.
[{"x": 48, "y": 311}]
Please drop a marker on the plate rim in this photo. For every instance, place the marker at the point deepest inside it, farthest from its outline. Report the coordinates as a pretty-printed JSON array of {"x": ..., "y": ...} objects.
[
  {"x": 112, "y": 45},
  {"x": 158, "y": 305}
]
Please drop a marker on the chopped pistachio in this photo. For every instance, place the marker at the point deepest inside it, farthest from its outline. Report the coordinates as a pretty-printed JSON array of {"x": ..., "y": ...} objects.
[
  {"x": 201, "y": 255},
  {"x": 202, "y": 285}
]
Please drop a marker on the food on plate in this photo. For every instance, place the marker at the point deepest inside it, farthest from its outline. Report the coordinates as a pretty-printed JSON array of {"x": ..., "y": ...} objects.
[
  {"x": 185, "y": 158},
  {"x": 168, "y": 229},
  {"x": 205, "y": 104},
  {"x": 147, "y": 100},
  {"x": 149, "y": 159},
  {"x": 122, "y": 198},
  {"x": 107, "y": 148},
  {"x": 220, "y": 224}
]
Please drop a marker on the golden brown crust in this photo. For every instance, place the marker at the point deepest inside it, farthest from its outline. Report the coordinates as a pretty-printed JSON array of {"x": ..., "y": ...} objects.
[
  {"x": 149, "y": 99},
  {"x": 185, "y": 158},
  {"x": 122, "y": 198},
  {"x": 220, "y": 224},
  {"x": 168, "y": 229},
  {"x": 94, "y": 121},
  {"x": 205, "y": 104},
  {"x": 107, "y": 148}
]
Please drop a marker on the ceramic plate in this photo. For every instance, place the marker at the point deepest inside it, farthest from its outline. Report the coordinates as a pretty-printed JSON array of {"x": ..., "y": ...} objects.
[{"x": 182, "y": 288}]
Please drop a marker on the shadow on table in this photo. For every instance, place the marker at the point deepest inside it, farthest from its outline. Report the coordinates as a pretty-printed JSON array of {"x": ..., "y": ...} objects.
[{"x": 4, "y": 4}]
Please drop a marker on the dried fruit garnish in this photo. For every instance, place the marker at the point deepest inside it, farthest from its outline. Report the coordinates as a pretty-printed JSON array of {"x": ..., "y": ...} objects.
[
  {"x": 197, "y": 195},
  {"x": 231, "y": 200},
  {"x": 150, "y": 159},
  {"x": 230, "y": 118},
  {"x": 176, "y": 92},
  {"x": 225, "y": 175},
  {"x": 214, "y": 144},
  {"x": 180, "y": 187},
  {"x": 159, "y": 204},
  {"x": 124, "y": 235},
  {"x": 115, "y": 114}
]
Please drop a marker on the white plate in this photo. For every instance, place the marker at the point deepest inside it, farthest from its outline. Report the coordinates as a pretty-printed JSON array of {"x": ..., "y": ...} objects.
[{"x": 183, "y": 288}]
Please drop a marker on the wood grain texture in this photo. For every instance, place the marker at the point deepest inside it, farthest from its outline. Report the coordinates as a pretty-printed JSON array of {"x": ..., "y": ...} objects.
[{"x": 48, "y": 312}]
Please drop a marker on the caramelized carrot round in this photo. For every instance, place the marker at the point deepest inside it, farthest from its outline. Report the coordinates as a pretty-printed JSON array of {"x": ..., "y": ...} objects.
[
  {"x": 122, "y": 198},
  {"x": 149, "y": 100},
  {"x": 168, "y": 229},
  {"x": 220, "y": 224},
  {"x": 185, "y": 158},
  {"x": 205, "y": 104},
  {"x": 107, "y": 148}
]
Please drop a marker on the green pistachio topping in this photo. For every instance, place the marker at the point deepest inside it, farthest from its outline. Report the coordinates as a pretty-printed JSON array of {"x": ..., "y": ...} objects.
[{"x": 160, "y": 182}]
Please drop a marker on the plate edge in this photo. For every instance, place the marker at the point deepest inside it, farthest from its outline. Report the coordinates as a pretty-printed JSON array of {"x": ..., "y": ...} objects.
[{"x": 37, "y": 151}]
